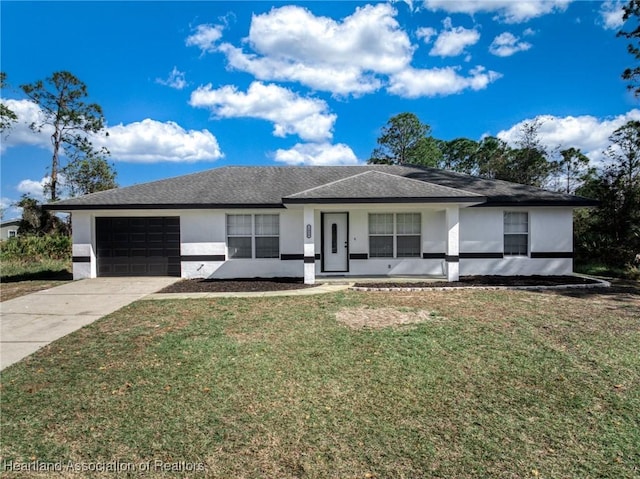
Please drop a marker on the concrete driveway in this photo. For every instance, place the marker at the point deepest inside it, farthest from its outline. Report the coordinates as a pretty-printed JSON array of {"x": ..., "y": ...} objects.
[{"x": 30, "y": 322}]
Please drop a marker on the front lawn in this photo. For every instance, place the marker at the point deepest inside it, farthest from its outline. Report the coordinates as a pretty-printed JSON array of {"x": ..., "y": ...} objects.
[{"x": 456, "y": 384}]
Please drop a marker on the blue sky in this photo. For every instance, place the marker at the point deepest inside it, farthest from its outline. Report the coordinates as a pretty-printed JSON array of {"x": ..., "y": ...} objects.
[{"x": 188, "y": 86}]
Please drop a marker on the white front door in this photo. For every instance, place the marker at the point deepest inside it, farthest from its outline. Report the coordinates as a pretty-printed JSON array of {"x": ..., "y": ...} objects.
[{"x": 335, "y": 250}]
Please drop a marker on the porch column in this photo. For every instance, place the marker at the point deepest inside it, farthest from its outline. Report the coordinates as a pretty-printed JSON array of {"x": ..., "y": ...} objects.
[
  {"x": 452, "y": 255},
  {"x": 82, "y": 249},
  {"x": 309, "y": 246}
]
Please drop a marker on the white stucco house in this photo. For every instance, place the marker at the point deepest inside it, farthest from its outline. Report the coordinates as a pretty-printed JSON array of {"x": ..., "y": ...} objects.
[{"x": 244, "y": 222}]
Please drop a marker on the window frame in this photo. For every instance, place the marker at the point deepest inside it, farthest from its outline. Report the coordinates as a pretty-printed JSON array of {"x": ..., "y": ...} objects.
[
  {"x": 228, "y": 235},
  {"x": 257, "y": 235},
  {"x": 395, "y": 235},
  {"x": 254, "y": 236},
  {"x": 526, "y": 234},
  {"x": 408, "y": 235},
  {"x": 382, "y": 235}
]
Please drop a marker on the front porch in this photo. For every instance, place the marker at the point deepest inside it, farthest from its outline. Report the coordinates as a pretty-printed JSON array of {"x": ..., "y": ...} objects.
[{"x": 391, "y": 241}]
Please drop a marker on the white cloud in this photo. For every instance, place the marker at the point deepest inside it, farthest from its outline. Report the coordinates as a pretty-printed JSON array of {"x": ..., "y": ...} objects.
[
  {"x": 356, "y": 55},
  {"x": 509, "y": 11},
  {"x": 176, "y": 79},
  {"x": 205, "y": 37},
  {"x": 20, "y": 133},
  {"x": 426, "y": 33},
  {"x": 147, "y": 141},
  {"x": 586, "y": 132},
  {"x": 343, "y": 57},
  {"x": 317, "y": 154},
  {"x": 507, "y": 44},
  {"x": 151, "y": 141},
  {"x": 452, "y": 41},
  {"x": 414, "y": 83},
  {"x": 611, "y": 13},
  {"x": 342, "y": 81},
  {"x": 290, "y": 113},
  {"x": 370, "y": 37},
  {"x": 35, "y": 188}
]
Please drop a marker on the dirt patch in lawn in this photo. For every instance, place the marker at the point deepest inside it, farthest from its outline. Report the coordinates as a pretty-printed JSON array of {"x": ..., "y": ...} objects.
[
  {"x": 378, "y": 318},
  {"x": 234, "y": 286},
  {"x": 486, "y": 281}
]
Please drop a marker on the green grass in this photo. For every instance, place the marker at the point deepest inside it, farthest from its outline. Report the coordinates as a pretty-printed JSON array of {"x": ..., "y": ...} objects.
[{"x": 492, "y": 384}]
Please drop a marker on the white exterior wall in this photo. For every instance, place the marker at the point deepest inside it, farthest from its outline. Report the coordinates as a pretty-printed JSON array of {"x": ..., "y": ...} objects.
[
  {"x": 291, "y": 232},
  {"x": 550, "y": 231},
  {"x": 481, "y": 230},
  {"x": 203, "y": 234},
  {"x": 434, "y": 231},
  {"x": 255, "y": 268},
  {"x": 396, "y": 267}
]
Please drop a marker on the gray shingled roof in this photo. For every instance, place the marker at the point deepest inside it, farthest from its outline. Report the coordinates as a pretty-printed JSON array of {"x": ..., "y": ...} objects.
[
  {"x": 270, "y": 186},
  {"x": 382, "y": 187},
  {"x": 499, "y": 192}
]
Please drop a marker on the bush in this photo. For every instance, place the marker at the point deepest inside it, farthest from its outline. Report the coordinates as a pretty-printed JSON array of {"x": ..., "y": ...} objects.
[{"x": 31, "y": 248}]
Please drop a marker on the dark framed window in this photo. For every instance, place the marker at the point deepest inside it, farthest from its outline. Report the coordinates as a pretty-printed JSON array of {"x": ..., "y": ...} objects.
[
  {"x": 516, "y": 233},
  {"x": 253, "y": 236},
  {"x": 394, "y": 235},
  {"x": 267, "y": 236},
  {"x": 408, "y": 235},
  {"x": 380, "y": 235},
  {"x": 239, "y": 235}
]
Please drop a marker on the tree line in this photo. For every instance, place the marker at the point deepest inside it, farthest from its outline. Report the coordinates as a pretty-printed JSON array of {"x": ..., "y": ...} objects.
[
  {"x": 405, "y": 140},
  {"x": 609, "y": 233}
]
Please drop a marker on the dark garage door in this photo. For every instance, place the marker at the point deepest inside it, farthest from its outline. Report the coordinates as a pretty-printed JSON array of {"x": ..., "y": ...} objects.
[{"x": 138, "y": 246}]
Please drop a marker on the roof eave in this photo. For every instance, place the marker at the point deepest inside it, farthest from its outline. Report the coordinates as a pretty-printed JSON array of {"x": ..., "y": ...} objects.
[
  {"x": 463, "y": 199},
  {"x": 586, "y": 203},
  {"x": 164, "y": 206}
]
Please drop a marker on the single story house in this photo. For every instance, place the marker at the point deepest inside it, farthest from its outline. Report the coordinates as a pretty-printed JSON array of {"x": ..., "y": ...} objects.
[
  {"x": 244, "y": 222},
  {"x": 9, "y": 229}
]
